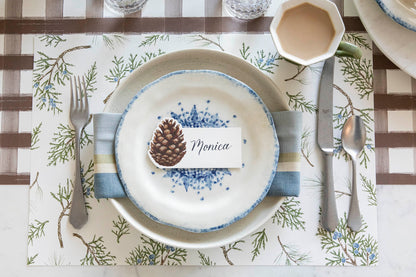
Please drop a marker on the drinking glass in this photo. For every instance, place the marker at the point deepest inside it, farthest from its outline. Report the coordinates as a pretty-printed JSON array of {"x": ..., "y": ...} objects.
[
  {"x": 125, "y": 6},
  {"x": 246, "y": 9}
]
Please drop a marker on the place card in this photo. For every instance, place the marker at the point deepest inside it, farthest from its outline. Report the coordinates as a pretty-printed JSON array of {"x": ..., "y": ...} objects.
[{"x": 173, "y": 146}]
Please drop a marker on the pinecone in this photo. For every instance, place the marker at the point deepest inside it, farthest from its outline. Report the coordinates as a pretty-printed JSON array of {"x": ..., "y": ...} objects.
[{"x": 168, "y": 146}]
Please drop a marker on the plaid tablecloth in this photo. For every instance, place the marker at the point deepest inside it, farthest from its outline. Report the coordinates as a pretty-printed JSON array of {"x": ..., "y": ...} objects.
[
  {"x": 394, "y": 98},
  {"x": 394, "y": 91}
]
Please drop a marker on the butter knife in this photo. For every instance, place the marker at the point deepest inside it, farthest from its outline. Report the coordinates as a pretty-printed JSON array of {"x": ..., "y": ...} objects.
[{"x": 326, "y": 144}]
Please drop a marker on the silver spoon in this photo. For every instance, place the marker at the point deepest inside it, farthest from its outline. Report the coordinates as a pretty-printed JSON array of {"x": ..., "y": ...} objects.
[{"x": 353, "y": 140}]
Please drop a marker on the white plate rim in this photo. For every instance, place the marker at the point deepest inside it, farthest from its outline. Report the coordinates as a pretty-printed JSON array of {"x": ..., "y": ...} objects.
[
  {"x": 199, "y": 59},
  {"x": 376, "y": 22},
  {"x": 273, "y": 167},
  {"x": 398, "y": 13}
]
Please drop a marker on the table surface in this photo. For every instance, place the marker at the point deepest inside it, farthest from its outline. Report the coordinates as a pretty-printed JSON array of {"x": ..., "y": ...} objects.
[{"x": 395, "y": 125}]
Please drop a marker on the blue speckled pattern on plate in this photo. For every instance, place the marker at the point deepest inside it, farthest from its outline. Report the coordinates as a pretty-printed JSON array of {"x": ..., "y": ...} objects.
[
  {"x": 197, "y": 200},
  {"x": 398, "y": 13}
]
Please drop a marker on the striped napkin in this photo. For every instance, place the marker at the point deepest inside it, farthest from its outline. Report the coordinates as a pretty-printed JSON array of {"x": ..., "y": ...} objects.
[{"x": 286, "y": 182}]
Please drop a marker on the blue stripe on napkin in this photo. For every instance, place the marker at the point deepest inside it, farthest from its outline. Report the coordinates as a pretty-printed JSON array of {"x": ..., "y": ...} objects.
[{"x": 286, "y": 182}]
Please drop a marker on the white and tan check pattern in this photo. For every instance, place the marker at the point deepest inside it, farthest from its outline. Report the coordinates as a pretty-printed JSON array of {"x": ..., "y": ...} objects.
[{"x": 395, "y": 91}]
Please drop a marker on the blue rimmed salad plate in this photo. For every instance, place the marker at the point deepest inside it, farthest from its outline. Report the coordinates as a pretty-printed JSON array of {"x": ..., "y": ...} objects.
[{"x": 197, "y": 199}]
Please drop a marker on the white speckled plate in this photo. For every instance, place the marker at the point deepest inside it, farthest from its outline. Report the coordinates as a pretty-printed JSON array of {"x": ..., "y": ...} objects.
[
  {"x": 189, "y": 60},
  {"x": 197, "y": 200},
  {"x": 399, "y": 13},
  {"x": 395, "y": 41}
]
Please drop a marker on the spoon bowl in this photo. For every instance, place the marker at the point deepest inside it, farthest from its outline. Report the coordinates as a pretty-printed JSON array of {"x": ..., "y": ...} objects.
[
  {"x": 353, "y": 135},
  {"x": 353, "y": 139}
]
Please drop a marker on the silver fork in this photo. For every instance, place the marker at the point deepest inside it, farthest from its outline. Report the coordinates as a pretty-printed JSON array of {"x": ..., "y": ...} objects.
[{"x": 79, "y": 114}]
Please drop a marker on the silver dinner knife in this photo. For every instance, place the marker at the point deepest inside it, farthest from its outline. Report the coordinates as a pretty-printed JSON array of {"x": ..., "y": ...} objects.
[{"x": 326, "y": 143}]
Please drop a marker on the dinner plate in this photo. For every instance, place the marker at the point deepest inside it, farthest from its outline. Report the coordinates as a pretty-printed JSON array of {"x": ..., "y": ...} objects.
[
  {"x": 400, "y": 12},
  {"x": 194, "y": 60},
  {"x": 395, "y": 41},
  {"x": 197, "y": 199}
]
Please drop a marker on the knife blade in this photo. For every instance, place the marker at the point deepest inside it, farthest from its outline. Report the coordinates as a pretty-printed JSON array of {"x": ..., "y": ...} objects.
[{"x": 326, "y": 144}]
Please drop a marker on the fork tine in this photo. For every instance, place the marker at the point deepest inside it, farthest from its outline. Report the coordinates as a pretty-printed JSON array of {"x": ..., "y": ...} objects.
[
  {"x": 79, "y": 95},
  {"x": 76, "y": 98},
  {"x": 85, "y": 95},
  {"x": 72, "y": 95}
]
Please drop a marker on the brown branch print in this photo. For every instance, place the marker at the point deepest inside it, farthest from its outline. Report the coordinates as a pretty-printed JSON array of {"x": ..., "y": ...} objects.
[
  {"x": 63, "y": 213},
  {"x": 231, "y": 246},
  {"x": 344, "y": 249},
  {"x": 89, "y": 249},
  {"x": 346, "y": 96},
  {"x": 300, "y": 70},
  {"x": 61, "y": 58},
  {"x": 35, "y": 181},
  {"x": 225, "y": 253},
  {"x": 285, "y": 251},
  {"x": 306, "y": 158},
  {"x": 63, "y": 196}
]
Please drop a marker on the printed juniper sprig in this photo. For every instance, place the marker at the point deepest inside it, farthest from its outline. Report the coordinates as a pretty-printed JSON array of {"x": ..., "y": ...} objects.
[
  {"x": 306, "y": 148},
  {"x": 290, "y": 215},
  {"x": 205, "y": 41},
  {"x": 367, "y": 185},
  {"x": 133, "y": 62},
  {"x": 364, "y": 155},
  {"x": 357, "y": 39},
  {"x": 344, "y": 246},
  {"x": 339, "y": 151},
  {"x": 261, "y": 60},
  {"x": 340, "y": 193},
  {"x": 359, "y": 74},
  {"x": 245, "y": 52},
  {"x": 153, "y": 39},
  {"x": 314, "y": 183},
  {"x": 121, "y": 228},
  {"x": 265, "y": 62},
  {"x": 364, "y": 158},
  {"x": 57, "y": 260},
  {"x": 259, "y": 243},
  {"x": 118, "y": 71},
  {"x": 31, "y": 259},
  {"x": 63, "y": 196},
  {"x": 370, "y": 189},
  {"x": 230, "y": 247},
  {"x": 298, "y": 102},
  {"x": 51, "y": 40},
  {"x": 317, "y": 183},
  {"x": 151, "y": 252},
  {"x": 205, "y": 260},
  {"x": 87, "y": 179},
  {"x": 96, "y": 253},
  {"x": 36, "y": 230},
  {"x": 123, "y": 66},
  {"x": 91, "y": 79},
  {"x": 48, "y": 73},
  {"x": 344, "y": 112},
  {"x": 35, "y": 137},
  {"x": 62, "y": 146},
  {"x": 151, "y": 55},
  {"x": 291, "y": 254},
  {"x": 111, "y": 41}
]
